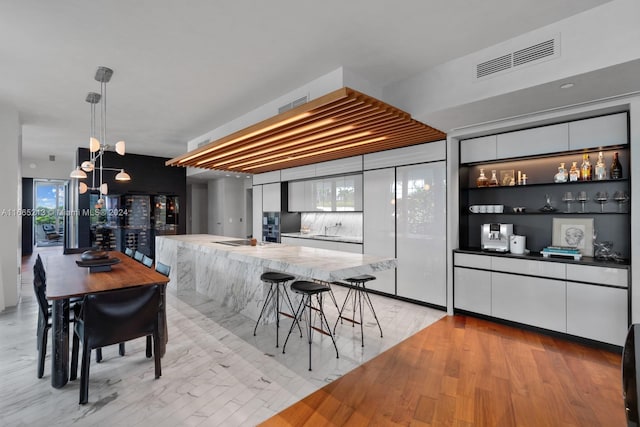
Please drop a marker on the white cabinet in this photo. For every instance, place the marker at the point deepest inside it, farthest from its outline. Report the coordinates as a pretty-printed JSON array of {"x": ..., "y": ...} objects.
[
  {"x": 478, "y": 149},
  {"x": 296, "y": 196},
  {"x": 421, "y": 232},
  {"x": 599, "y": 132},
  {"x": 379, "y": 220},
  {"x": 528, "y": 142},
  {"x": 257, "y": 212},
  {"x": 530, "y": 300},
  {"x": 597, "y": 312},
  {"x": 423, "y": 153},
  {"x": 340, "y": 166},
  {"x": 473, "y": 290},
  {"x": 299, "y": 172},
  {"x": 556, "y": 270},
  {"x": 598, "y": 275},
  {"x": 271, "y": 197},
  {"x": 266, "y": 178}
]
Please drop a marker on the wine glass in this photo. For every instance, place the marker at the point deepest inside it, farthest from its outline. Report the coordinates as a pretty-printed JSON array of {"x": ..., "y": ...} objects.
[
  {"x": 582, "y": 198},
  {"x": 601, "y": 197},
  {"x": 620, "y": 197},
  {"x": 568, "y": 198}
]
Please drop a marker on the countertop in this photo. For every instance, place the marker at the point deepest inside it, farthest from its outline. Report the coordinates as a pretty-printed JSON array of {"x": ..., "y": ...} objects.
[
  {"x": 323, "y": 264},
  {"x": 538, "y": 257},
  {"x": 332, "y": 238}
]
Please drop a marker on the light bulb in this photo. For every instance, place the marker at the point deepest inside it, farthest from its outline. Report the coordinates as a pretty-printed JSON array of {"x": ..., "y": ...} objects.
[
  {"x": 94, "y": 144},
  {"x": 87, "y": 166},
  {"x": 104, "y": 188},
  {"x": 120, "y": 148},
  {"x": 123, "y": 176},
  {"x": 78, "y": 173},
  {"x": 82, "y": 188}
]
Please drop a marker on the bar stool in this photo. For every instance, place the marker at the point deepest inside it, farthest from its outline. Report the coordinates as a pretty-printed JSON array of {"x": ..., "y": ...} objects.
[
  {"x": 358, "y": 292},
  {"x": 276, "y": 280},
  {"x": 308, "y": 290}
]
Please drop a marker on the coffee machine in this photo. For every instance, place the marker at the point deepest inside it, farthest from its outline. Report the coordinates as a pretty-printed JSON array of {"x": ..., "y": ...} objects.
[{"x": 495, "y": 237}]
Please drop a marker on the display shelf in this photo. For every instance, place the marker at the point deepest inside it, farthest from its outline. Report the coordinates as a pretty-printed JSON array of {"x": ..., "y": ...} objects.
[{"x": 548, "y": 184}]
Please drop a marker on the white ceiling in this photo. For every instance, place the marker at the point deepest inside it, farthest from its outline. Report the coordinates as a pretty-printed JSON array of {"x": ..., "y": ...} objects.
[{"x": 182, "y": 68}]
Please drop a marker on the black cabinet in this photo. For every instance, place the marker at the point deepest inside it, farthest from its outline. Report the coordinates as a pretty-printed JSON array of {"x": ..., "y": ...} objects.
[{"x": 524, "y": 205}]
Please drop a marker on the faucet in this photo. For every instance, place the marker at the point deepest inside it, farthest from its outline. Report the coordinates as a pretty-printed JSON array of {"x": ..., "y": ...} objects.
[{"x": 337, "y": 225}]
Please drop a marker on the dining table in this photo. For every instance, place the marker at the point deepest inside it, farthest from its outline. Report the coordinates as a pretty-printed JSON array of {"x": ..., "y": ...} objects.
[{"x": 66, "y": 279}]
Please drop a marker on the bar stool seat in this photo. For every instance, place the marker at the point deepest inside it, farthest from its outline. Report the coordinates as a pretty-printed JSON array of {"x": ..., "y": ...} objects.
[
  {"x": 358, "y": 292},
  {"x": 275, "y": 280},
  {"x": 308, "y": 289}
]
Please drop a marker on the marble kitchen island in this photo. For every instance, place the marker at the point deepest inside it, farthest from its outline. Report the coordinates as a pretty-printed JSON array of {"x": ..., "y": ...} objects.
[{"x": 231, "y": 274}]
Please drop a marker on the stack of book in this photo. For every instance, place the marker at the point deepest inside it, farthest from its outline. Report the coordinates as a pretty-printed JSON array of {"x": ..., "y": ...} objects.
[{"x": 566, "y": 251}]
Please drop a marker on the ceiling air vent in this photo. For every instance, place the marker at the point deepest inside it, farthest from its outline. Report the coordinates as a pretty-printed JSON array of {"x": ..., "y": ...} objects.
[
  {"x": 493, "y": 66},
  {"x": 533, "y": 53},
  {"x": 293, "y": 104},
  {"x": 542, "y": 51}
]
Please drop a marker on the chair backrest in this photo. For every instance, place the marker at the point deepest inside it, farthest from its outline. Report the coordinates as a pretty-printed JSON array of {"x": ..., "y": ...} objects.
[
  {"x": 116, "y": 316},
  {"x": 40, "y": 288},
  {"x": 138, "y": 256},
  {"x": 163, "y": 268},
  {"x": 48, "y": 228},
  {"x": 128, "y": 252},
  {"x": 147, "y": 261},
  {"x": 630, "y": 354}
]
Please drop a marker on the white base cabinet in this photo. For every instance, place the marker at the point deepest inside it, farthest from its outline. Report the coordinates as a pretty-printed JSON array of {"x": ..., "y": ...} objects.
[
  {"x": 529, "y": 300},
  {"x": 597, "y": 312},
  {"x": 473, "y": 290},
  {"x": 323, "y": 244},
  {"x": 587, "y": 301}
]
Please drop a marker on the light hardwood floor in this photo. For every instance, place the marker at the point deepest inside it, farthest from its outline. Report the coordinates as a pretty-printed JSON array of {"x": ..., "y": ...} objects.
[
  {"x": 215, "y": 372},
  {"x": 463, "y": 371}
]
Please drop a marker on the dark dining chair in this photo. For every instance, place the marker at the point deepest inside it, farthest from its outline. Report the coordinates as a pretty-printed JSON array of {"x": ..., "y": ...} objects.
[
  {"x": 44, "y": 312},
  {"x": 138, "y": 256},
  {"x": 148, "y": 261},
  {"x": 128, "y": 252},
  {"x": 163, "y": 269},
  {"x": 630, "y": 376},
  {"x": 113, "y": 317}
]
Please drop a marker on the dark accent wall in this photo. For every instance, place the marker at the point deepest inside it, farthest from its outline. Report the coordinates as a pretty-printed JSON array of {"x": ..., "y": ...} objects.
[
  {"x": 27, "y": 220},
  {"x": 149, "y": 175}
]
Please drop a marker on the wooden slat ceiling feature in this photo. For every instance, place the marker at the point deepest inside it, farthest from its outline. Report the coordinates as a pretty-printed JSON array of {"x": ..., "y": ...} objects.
[{"x": 340, "y": 124}]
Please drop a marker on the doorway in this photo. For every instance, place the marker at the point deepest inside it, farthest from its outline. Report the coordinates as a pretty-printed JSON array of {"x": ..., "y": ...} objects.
[{"x": 50, "y": 203}]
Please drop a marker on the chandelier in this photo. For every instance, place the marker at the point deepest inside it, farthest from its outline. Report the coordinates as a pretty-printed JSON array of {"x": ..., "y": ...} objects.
[{"x": 97, "y": 143}]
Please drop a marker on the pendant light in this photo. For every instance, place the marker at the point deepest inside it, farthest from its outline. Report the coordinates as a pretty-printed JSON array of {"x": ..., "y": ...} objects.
[{"x": 97, "y": 148}]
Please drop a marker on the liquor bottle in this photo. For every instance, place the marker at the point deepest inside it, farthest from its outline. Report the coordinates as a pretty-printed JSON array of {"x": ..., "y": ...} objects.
[
  {"x": 574, "y": 173},
  {"x": 601, "y": 168},
  {"x": 616, "y": 167},
  {"x": 585, "y": 168},
  {"x": 561, "y": 176},
  {"x": 482, "y": 180},
  {"x": 493, "y": 182}
]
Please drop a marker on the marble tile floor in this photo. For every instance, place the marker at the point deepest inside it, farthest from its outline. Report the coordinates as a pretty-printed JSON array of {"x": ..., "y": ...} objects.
[{"x": 215, "y": 372}]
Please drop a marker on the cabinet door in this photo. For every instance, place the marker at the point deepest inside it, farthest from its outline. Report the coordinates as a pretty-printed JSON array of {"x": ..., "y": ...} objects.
[
  {"x": 597, "y": 312},
  {"x": 528, "y": 142},
  {"x": 348, "y": 193},
  {"x": 348, "y": 247},
  {"x": 257, "y": 212},
  {"x": 271, "y": 197},
  {"x": 472, "y": 290},
  {"x": 296, "y": 196},
  {"x": 599, "y": 132},
  {"x": 421, "y": 232},
  {"x": 478, "y": 149},
  {"x": 379, "y": 220},
  {"x": 530, "y": 300}
]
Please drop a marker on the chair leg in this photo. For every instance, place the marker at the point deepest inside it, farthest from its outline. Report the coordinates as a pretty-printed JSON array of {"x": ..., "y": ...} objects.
[
  {"x": 297, "y": 315},
  {"x": 291, "y": 308},
  {"x": 326, "y": 322},
  {"x": 42, "y": 351},
  {"x": 148, "y": 353},
  {"x": 264, "y": 307},
  {"x": 341, "y": 310},
  {"x": 156, "y": 343},
  {"x": 84, "y": 373},
  {"x": 74, "y": 357},
  {"x": 121, "y": 349},
  {"x": 98, "y": 355},
  {"x": 368, "y": 300}
]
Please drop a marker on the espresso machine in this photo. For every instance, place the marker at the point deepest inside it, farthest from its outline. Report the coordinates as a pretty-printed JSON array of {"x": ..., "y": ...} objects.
[{"x": 495, "y": 237}]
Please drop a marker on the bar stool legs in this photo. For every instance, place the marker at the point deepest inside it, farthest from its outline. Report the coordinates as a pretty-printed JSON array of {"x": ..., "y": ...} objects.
[
  {"x": 358, "y": 293},
  {"x": 276, "y": 280},
  {"x": 308, "y": 290}
]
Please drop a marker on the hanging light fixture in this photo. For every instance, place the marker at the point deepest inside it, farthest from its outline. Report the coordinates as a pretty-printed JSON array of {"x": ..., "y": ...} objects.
[{"x": 96, "y": 147}]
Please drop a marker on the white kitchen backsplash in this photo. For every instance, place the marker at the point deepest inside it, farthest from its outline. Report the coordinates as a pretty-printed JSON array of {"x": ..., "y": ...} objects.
[{"x": 345, "y": 224}]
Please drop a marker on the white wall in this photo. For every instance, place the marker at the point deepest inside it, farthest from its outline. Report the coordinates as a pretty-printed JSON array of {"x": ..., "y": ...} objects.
[
  {"x": 44, "y": 168},
  {"x": 226, "y": 205},
  {"x": 597, "y": 38},
  {"x": 11, "y": 199},
  {"x": 197, "y": 195}
]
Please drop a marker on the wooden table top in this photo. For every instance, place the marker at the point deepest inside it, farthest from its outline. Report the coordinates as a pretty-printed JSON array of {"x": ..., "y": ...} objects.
[{"x": 66, "y": 279}]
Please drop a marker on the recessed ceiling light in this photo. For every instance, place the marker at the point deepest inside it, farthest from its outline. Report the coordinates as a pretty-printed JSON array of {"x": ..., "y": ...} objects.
[{"x": 566, "y": 86}]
